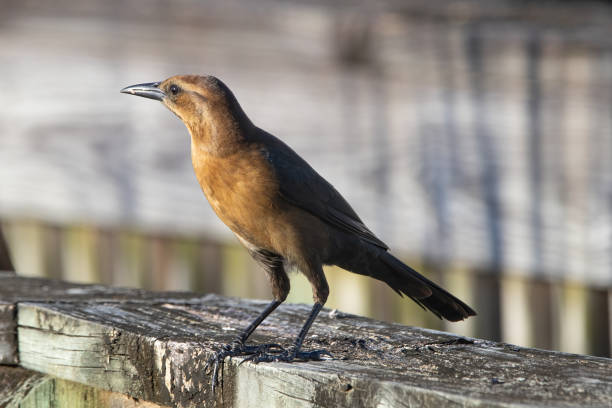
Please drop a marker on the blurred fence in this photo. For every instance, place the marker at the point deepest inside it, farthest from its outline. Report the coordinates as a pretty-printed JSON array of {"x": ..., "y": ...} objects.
[{"x": 470, "y": 137}]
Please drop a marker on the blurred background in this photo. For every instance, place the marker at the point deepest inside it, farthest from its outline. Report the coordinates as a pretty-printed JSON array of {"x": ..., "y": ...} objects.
[{"x": 475, "y": 138}]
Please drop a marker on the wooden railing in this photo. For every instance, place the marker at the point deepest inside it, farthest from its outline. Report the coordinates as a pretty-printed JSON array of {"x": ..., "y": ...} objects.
[
  {"x": 540, "y": 313},
  {"x": 97, "y": 346}
]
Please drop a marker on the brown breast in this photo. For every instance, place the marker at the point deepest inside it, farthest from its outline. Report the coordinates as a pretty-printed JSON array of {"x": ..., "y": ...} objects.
[{"x": 242, "y": 190}]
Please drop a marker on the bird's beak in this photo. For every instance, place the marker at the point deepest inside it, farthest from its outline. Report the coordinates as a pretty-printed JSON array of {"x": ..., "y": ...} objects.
[{"x": 150, "y": 90}]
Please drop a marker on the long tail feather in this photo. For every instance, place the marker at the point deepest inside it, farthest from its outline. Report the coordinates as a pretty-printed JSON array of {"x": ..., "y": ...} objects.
[
  {"x": 380, "y": 264},
  {"x": 440, "y": 302}
]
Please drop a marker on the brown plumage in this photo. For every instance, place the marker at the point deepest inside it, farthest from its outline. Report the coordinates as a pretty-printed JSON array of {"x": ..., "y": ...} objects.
[{"x": 280, "y": 208}]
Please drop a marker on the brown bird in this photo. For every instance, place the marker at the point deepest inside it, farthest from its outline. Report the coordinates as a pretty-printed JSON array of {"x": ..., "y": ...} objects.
[{"x": 281, "y": 210}]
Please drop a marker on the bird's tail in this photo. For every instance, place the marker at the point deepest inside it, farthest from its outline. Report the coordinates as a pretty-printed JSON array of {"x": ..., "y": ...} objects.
[{"x": 406, "y": 281}]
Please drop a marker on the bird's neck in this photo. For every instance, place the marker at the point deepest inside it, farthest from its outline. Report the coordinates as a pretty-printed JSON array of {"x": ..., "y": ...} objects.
[{"x": 220, "y": 137}]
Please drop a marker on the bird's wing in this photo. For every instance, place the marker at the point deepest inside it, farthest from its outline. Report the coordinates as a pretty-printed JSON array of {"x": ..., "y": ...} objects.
[{"x": 302, "y": 186}]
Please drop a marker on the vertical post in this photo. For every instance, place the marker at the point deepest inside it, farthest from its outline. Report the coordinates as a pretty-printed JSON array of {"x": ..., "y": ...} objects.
[
  {"x": 5, "y": 259},
  {"x": 488, "y": 283},
  {"x": 208, "y": 278}
]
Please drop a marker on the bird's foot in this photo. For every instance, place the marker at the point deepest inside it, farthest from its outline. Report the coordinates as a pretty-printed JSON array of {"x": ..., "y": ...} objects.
[
  {"x": 236, "y": 349},
  {"x": 287, "y": 355}
]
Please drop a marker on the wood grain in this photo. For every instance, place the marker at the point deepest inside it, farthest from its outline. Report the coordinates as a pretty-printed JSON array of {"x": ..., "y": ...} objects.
[
  {"x": 15, "y": 289},
  {"x": 157, "y": 352},
  {"x": 20, "y": 388},
  {"x": 8, "y": 333},
  {"x": 154, "y": 347}
]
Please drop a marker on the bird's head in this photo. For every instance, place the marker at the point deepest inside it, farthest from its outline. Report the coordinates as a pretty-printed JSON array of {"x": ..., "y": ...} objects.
[{"x": 204, "y": 103}]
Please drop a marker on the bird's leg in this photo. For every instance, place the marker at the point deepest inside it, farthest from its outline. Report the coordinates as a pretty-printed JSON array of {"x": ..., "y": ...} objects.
[
  {"x": 272, "y": 265},
  {"x": 251, "y": 327},
  {"x": 294, "y": 352},
  {"x": 238, "y": 346}
]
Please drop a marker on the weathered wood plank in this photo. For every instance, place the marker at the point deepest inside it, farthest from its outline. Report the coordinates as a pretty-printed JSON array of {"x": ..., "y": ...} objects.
[
  {"x": 29, "y": 389},
  {"x": 14, "y": 289},
  {"x": 157, "y": 352},
  {"x": 8, "y": 333},
  {"x": 15, "y": 383}
]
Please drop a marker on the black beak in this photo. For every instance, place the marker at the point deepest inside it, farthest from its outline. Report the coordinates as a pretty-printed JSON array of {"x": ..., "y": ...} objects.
[{"x": 150, "y": 90}]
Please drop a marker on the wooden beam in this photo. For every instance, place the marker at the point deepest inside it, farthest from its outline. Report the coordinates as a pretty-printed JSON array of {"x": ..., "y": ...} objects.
[
  {"x": 15, "y": 383},
  {"x": 15, "y": 289},
  {"x": 8, "y": 333},
  {"x": 154, "y": 347},
  {"x": 29, "y": 389}
]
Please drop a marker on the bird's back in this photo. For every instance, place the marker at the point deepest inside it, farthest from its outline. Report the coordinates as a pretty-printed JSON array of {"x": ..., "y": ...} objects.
[{"x": 301, "y": 186}]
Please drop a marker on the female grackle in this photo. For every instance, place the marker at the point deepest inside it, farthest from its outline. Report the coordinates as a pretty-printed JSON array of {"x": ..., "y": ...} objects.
[{"x": 281, "y": 210}]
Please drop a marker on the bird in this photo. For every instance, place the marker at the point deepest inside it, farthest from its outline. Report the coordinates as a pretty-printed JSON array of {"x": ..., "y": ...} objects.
[{"x": 283, "y": 212}]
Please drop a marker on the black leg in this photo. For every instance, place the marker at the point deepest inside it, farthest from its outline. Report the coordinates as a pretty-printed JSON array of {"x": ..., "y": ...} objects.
[
  {"x": 294, "y": 351},
  {"x": 316, "y": 308},
  {"x": 251, "y": 328},
  {"x": 238, "y": 348}
]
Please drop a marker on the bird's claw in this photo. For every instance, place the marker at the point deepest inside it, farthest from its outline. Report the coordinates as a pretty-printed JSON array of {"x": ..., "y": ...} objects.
[
  {"x": 288, "y": 355},
  {"x": 236, "y": 349},
  {"x": 317, "y": 355}
]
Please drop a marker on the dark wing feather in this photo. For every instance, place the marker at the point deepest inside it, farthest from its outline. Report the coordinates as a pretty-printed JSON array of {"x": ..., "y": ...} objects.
[{"x": 302, "y": 186}]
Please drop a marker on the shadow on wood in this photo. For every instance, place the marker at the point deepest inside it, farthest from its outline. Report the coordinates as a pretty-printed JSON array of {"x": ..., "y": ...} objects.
[
  {"x": 5, "y": 259},
  {"x": 154, "y": 346}
]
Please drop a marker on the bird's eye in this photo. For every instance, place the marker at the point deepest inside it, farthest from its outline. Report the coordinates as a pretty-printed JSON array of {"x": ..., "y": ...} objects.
[{"x": 174, "y": 89}]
